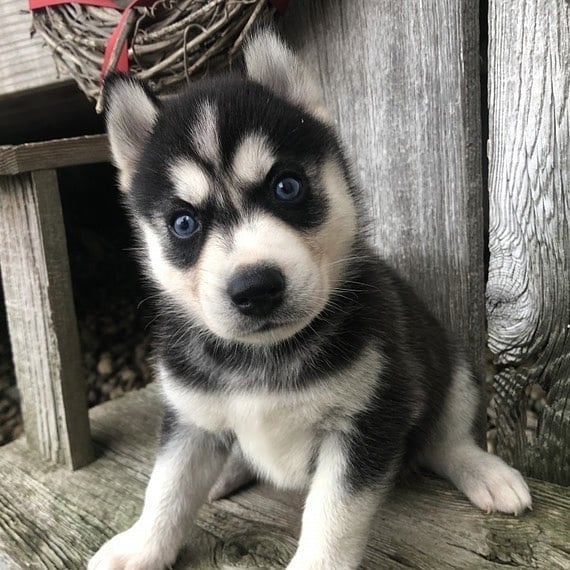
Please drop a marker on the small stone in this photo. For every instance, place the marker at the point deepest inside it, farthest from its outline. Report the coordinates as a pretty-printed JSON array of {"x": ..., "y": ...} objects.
[
  {"x": 531, "y": 420},
  {"x": 105, "y": 364},
  {"x": 530, "y": 436},
  {"x": 116, "y": 393},
  {"x": 492, "y": 440},
  {"x": 128, "y": 377},
  {"x": 537, "y": 392}
]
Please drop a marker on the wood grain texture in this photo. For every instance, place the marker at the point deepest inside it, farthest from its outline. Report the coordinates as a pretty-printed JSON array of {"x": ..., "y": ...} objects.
[
  {"x": 26, "y": 63},
  {"x": 528, "y": 292},
  {"x": 41, "y": 318},
  {"x": 402, "y": 82},
  {"x": 16, "y": 159},
  {"x": 51, "y": 518}
]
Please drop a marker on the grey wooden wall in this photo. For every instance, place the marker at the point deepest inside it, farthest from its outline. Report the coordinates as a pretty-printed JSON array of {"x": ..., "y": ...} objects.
[
  {"x": 528, "y": 292},
  {"x": 401, "y": 79}
]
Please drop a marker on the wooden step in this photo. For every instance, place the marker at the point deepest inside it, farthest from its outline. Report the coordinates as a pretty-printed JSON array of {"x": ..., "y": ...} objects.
[{"x": 51, "y": 518}]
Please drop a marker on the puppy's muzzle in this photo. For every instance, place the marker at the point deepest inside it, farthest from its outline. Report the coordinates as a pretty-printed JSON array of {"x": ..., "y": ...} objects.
[{"x": 257, "y": 290}]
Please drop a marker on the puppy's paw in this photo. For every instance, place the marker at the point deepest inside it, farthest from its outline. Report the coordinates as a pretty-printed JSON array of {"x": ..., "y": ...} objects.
[
  {"x": 493, "y": 486},
  {"x": 131, "y": 550}
]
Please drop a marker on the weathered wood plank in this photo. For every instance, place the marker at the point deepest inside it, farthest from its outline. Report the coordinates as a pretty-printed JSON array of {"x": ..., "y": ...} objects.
[
  {"x": 41, "y": 318},
  {"x": 402, "y": 82},
  {"x": 426, "y": 525},
  {"x": 528, "y": 292},
  {"x": 26, "y": 63},
  {"x": 16, "y": 159}
]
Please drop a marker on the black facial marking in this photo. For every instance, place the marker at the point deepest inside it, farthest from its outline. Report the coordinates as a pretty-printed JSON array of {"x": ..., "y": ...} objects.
[
  {"x": 241, "y": 107},
  {"x": 308, "y": 210}
]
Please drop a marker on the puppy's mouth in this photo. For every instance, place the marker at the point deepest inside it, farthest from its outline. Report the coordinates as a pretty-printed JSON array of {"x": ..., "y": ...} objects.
[
  {"x": 269, "y": 331},
  {"x": 270, "y": 325}
]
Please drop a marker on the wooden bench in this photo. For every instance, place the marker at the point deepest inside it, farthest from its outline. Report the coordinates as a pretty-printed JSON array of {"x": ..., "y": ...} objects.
[
  {"x": 411, "y": 119},
  {"x": 53, "y": 518}
]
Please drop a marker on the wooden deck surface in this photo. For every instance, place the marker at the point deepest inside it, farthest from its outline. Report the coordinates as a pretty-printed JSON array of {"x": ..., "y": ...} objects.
[{"x": 51, "y": 518}]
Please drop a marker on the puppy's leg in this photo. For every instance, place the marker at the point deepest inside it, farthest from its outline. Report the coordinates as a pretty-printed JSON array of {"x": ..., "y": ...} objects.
[
  {"x": 236, "y": 474},
  {"x": 188, "y": 462},
  {"x": 487, "y": 480},
  {"x": 336, "y": 518}
]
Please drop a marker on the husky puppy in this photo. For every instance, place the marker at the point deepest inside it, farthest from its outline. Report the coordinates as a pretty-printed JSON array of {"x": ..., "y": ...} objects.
[{"x": 285, "y": 347}]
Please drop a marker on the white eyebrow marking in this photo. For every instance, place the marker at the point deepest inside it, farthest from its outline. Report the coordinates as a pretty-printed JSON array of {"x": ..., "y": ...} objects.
[
  {"x": 204, "y": 133},
  {"x": 253, "y": 158},
  {"x": 191, "y": 183}
]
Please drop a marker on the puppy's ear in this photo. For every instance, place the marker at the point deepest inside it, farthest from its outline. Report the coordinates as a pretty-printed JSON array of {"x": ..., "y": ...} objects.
[
  {"x": 270, "y": 62},
  {"x": 131, "y": 112}
]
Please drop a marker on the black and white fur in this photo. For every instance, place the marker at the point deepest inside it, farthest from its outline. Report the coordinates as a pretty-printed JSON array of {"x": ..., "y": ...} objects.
[{"x": 343, "y": 383}]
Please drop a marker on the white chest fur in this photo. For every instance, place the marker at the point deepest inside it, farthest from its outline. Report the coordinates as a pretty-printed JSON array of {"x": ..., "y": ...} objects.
[
  {"x": 278, "y": 432},
  {"x": 275, "y": 433}
]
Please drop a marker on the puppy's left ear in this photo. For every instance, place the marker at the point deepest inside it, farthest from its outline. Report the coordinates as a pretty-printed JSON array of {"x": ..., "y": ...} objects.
[
  {"x": 130, "y": 112},
  {"x": 270, "y": 62}
]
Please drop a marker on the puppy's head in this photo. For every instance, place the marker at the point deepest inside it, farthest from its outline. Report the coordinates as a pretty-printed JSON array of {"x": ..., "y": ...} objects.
[{"x": 240, "y": 194}]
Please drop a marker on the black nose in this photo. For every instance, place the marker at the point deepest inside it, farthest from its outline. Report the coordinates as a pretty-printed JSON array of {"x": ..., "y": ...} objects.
[{"x": 257, "y": 290}]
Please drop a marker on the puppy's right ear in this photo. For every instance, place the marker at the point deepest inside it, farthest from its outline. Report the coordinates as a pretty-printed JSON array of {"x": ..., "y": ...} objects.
[{"x": 131, "y": 112}]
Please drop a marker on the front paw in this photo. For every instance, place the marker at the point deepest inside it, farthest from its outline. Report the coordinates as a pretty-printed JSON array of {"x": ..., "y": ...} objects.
[
  {"x": 132, "y": 550},
  {"x": 494, "y": 486}
]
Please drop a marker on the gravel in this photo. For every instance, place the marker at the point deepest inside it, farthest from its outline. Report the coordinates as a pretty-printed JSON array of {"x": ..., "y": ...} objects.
[{"x": 536, "y": 400}]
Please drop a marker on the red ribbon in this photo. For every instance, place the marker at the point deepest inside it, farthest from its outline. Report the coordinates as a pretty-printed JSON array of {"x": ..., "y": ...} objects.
[{"x": 123, "y": 61}]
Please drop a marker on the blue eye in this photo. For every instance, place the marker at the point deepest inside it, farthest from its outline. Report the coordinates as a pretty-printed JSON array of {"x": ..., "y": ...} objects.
[
  {"x": 288, "y": 188},
  {"x": 184, "y": 225}
]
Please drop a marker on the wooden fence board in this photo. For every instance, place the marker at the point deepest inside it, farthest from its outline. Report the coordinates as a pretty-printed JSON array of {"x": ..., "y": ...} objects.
[
  {"x": 402, "y": 82},
  {"x": 41, "y": 318},
  {"x": 528, "y": 292}
]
